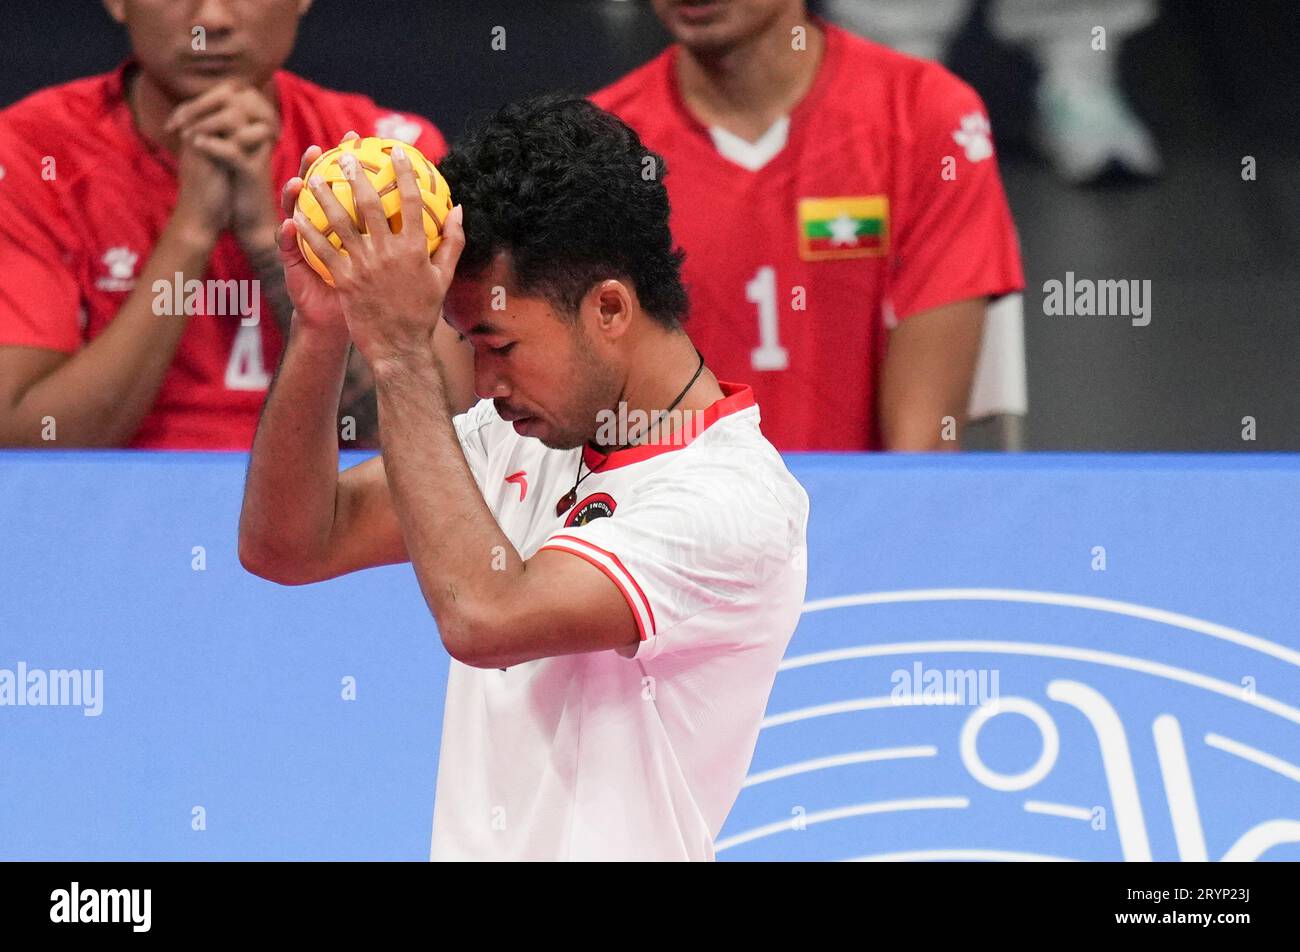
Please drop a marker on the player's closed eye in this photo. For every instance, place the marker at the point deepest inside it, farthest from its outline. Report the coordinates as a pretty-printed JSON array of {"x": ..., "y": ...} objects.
[{"x": 504, "y": 348}]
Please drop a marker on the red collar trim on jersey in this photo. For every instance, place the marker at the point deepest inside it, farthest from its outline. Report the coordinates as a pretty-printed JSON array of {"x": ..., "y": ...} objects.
[
  {"x": 826, "y": 71},
  {"x": 735, "y": 397}
]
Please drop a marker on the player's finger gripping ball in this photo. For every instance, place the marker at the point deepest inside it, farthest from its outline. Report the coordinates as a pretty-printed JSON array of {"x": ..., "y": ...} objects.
[{"x": 374, "y": 157}]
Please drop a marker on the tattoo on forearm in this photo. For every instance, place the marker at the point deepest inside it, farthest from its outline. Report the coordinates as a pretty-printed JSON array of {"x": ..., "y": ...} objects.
[{"x": 266, "y": 265}]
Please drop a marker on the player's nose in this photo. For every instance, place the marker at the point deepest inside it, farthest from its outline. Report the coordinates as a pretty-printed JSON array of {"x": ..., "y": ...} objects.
[
  {"x": 488, "y": 385},
  {"x": 216, "y": 16}
]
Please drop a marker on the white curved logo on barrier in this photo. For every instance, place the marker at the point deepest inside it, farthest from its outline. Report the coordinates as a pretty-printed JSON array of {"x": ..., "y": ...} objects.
[{"x": 1171, "y": 773}]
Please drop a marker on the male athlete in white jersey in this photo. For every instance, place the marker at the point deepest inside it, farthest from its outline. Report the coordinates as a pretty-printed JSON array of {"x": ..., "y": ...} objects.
[{"x": 615, "y": 592}]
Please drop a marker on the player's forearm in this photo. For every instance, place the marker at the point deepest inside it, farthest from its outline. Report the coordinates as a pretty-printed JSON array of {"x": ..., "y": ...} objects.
[
  {"x": 925, "y": 382},
  {"x": 292, "y": 483},
  {"x": 922, "y": 432},
  {"x": 264, "y": 255},
  {"x": 100, "y": 395},
  {"x": 468, "y": 569},
  {"x": 921, "y": 410}
]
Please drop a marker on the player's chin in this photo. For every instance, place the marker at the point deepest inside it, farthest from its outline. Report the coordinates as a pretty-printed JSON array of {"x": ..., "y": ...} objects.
[
  {"x": 548, "y": 436},
  {"x": 192, "y": 76},
  {"x": 183, "y": 84},
  {"x": 710, "y": 26},
  {"x": 533, "y": 427},
  {"x": 707, "y": 41}
]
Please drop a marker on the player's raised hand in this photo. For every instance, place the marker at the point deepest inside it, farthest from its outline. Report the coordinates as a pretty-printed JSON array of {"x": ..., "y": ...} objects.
[
  {"x": 316, "y": 303},
  {"x": 391, "y": 291}
]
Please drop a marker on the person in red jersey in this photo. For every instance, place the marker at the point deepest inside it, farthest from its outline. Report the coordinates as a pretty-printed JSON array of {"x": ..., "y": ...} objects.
[
  {"x": 842, "y": 216},
  {"x": 168, "y": 166}
]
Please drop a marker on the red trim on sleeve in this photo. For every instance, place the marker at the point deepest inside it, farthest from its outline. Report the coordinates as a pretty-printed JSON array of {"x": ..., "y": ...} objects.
[
  {"x": 636, "y": 615},
  {"x": 617, "y": 561}
]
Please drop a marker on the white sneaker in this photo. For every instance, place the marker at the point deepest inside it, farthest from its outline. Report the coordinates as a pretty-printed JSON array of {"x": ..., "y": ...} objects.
[{"x": 1087, "y": 130}]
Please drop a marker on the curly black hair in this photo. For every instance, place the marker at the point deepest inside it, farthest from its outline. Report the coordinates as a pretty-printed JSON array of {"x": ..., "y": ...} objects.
[{"x": 572, "y": 196}]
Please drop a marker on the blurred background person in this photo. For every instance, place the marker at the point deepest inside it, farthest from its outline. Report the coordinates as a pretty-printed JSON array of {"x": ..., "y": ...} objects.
[
  {"x": 165, "y": 169},
  {"x": 1215, "y": 84},
  {"x": 842, "y": 215},
  {"x": 1085, "y": 126}
]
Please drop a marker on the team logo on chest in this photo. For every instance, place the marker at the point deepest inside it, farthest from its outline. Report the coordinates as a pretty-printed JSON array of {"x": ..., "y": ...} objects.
[
  {"x": 119, "y": 270},
  {"x": 397, "y": 126},
  {"x": 595, "y": 506},
  {"x": 851, "y": 226}
]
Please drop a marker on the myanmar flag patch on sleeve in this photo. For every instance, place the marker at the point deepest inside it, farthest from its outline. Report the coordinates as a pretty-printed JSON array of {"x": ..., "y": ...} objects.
[{"x": 847, "y": 227}]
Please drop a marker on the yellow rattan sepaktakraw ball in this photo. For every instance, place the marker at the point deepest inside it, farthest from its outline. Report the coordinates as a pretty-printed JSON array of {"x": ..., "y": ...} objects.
[{"x": 374, "y": 157}]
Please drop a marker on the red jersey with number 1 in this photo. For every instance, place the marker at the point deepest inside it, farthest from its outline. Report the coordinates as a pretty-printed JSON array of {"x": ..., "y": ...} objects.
[
  {"x": 884, "y": 201},
  {"x": 83, "y": 200}
]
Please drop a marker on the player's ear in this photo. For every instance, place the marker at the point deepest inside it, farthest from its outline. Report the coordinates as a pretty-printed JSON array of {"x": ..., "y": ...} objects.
[
  {"x": 116, "y": 9},
  {"x": 611, "y": 301}
]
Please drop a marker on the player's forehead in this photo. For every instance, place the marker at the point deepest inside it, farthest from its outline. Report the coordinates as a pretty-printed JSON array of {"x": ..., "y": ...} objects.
[{"x": 485, "y": 303}]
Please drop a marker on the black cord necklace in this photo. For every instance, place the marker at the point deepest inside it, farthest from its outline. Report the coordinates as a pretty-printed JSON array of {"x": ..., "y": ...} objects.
[{"x": 568, "y": 499}]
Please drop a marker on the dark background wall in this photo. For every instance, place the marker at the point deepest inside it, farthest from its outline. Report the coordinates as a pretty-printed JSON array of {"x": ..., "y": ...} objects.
[{"x": 1215, "y": 82}]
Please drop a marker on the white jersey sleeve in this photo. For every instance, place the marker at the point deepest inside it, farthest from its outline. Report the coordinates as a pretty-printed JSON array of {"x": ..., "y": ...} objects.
[
  {"x": 694, "y": 538},
  {"x": 472, "y": 431}
]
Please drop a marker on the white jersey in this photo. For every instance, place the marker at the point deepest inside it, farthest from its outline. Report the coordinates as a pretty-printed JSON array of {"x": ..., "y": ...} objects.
[{"x": 611, "y": 756}]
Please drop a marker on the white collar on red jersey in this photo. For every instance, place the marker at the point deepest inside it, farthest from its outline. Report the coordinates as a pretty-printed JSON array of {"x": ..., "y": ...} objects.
[{"x": 752, "y": 155}]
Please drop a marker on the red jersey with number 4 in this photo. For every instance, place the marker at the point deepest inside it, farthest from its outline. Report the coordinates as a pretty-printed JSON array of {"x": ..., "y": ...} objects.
[
  {"x": 84, "y": 198},
  {"x": 877, "y": 200}
]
